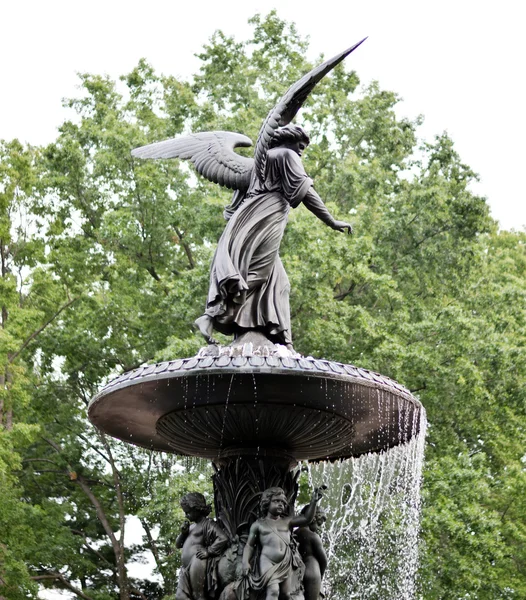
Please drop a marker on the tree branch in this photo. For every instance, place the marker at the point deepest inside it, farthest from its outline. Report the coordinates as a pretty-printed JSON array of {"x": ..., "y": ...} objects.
[
  {"x": 151, "y": 542},
  {"x": 67, "y": 584},
  {"x": 12, "y": 357},
  {"x": 422, "y": 387},
  {"x": 431, "y": 235},
  {"x": 186, "y": 248},
  {"x": 117, "y": 545},
  {"x": 48, "y": 460},
  {"x": 343, "y": 295},
  {"x": 137, "y": 592},
  {"x": 100, "y": 513},
  {"x": 81, "y": 481},
  {"x": 116, "y": 482},
  {"x": 92, "y": 446},
  {"x": 153, "y": 273},
  {"x": 94, "y": 550}
]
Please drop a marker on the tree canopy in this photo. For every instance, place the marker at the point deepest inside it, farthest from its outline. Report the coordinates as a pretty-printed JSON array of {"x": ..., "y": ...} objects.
[{"x": 104, "y": 267}]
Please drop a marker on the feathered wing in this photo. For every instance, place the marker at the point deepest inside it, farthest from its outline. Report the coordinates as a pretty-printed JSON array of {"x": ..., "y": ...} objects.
[
  {"x": 286, "y": 109},
  {"x": 212, "y": 154}
]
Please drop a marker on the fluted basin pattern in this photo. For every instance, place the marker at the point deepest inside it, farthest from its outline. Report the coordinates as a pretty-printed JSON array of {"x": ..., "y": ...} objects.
[{"x": 215, "y": 407}]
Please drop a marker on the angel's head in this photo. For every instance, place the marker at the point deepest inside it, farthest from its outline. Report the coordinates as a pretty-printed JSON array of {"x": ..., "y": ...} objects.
[{"x": 291, "y": 136}]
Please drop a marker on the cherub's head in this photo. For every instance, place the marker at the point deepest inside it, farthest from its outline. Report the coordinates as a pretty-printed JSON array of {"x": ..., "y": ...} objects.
[
  {"x": 319, "y": 517},
  {"x": 195, "y": 506},
  {"x": 291, "y": 136},
  {"x": 274, "y": 500}
]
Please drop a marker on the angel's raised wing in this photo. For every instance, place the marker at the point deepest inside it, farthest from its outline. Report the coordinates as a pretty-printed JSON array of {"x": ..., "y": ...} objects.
[
  {"x": 211, "y": 152},
  {"x": 286, "y": 109}
]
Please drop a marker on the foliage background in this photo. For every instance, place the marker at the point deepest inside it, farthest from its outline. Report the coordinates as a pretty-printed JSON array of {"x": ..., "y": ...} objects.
[{"x": 104, "y": 265}]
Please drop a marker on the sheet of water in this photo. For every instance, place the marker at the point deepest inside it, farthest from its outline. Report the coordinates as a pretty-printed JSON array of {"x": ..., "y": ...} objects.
[{"x": 373, "y": 516}]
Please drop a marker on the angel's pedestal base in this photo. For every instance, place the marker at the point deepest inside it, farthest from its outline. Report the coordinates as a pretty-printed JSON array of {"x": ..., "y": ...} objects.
[{"x": 239, "y": 482}]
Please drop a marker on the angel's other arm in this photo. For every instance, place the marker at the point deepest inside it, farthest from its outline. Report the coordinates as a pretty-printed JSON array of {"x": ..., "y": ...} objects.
[{"x": 315, "y": 204}]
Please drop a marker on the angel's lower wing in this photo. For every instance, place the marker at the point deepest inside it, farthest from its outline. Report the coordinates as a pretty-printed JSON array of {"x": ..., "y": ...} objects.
[
  {"x": 286, "y": 109},
  {"x": 212, "y": 154}
]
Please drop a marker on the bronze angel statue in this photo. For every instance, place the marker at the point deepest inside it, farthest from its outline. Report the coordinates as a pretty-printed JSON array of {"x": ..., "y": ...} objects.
[{"x": 249, "y": 288}]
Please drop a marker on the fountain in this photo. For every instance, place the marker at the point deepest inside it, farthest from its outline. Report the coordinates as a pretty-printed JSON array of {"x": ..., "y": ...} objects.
[{"x": 257, "y": 409}]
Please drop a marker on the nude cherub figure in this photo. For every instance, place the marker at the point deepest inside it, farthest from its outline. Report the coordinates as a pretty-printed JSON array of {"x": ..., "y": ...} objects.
[
  {"x": 202, "y": 544},
  {"x": 313, "y": 554},
  {"x": 272, "y": 535}
]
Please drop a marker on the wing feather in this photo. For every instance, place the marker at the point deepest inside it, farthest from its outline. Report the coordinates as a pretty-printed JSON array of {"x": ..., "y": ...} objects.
[
  {"x": 289, "y": 104},
  {"x": 211, "y": 168},
  {"x": 212, "y": 154}
]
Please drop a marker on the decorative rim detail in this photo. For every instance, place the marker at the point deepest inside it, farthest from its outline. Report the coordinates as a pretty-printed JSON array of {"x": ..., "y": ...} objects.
[
  {"x": 204, "y": 405},
  {"x": 224, "y": 364}
]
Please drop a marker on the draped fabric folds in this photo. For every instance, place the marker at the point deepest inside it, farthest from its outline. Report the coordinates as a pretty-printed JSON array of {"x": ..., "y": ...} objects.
[{"x": 249, "y": 288}]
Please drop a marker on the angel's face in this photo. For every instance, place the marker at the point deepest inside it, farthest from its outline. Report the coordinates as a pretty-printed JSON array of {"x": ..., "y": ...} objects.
[{"x": 298, "y": 146}]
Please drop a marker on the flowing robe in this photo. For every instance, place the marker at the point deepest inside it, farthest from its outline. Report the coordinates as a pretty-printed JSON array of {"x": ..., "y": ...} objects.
[{"x": 249, "y": 288}]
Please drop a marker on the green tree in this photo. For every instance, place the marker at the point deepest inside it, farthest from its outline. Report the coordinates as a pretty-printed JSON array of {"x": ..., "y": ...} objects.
[{"x": 31, "y": 300}]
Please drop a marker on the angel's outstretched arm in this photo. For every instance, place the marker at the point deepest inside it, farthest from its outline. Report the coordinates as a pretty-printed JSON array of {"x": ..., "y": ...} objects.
[{"x": 315, "y": 204}]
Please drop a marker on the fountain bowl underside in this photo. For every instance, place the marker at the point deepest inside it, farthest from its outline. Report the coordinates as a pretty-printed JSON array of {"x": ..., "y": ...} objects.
[{"x": 216, "y": 407}]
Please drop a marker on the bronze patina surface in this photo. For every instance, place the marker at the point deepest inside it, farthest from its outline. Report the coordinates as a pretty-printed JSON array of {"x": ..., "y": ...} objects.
[
  {"x": 256, "y": 407},
  {"x": 215, "y": 407}
]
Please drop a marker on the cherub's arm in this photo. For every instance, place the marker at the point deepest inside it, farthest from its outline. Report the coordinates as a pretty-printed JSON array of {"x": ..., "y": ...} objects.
[
  {"x": 220, "y": 542},
  {"x": 315, "y": 204},
  {"x": 308, "y": 516},
  {"x": 249, "y": 547},
  {"x": 185, "y": 528}
]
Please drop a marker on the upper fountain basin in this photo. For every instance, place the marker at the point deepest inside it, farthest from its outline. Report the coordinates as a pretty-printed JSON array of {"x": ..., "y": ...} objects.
[{"x": 219, "y": 406}]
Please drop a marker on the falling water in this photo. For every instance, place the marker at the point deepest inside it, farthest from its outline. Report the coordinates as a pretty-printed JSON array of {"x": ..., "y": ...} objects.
[{"x": 373, "y": 514}]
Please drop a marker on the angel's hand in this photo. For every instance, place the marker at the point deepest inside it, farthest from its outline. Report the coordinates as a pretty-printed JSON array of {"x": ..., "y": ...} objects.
[
  {"x": 202, "y": 553},
  {"x": 342, "y": 226}
]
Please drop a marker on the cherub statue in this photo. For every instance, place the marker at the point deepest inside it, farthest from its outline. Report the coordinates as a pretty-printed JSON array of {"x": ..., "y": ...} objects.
[
  {"x": 202, "y": 544},
  {"x": 249, "y": 289},
  {"x": 312, "y": 553},
  {"x": 271, "y": 576}
]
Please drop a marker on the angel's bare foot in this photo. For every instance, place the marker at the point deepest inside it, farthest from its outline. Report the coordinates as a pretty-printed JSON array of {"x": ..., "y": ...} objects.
[{"x": 205, "y": 325}]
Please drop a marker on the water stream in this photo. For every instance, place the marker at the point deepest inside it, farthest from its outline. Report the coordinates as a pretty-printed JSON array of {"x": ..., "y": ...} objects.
[{"x": 373, "y": 515}]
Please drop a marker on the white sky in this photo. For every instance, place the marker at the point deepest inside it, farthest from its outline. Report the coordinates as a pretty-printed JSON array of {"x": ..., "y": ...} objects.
[{"x": 458, "y": 62}]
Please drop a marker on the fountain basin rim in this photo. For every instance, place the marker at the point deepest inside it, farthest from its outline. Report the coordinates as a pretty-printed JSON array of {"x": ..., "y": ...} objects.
[
  {"x": 312, "y": 409},
  {"x": 332, "y": 370}
]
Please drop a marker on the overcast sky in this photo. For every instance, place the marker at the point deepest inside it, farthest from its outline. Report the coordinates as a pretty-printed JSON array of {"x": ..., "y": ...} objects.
[{"x": 459, "y": 63}]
